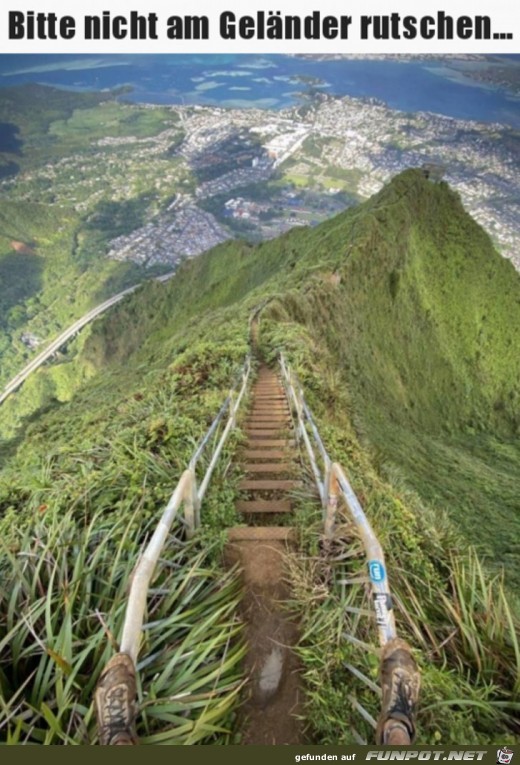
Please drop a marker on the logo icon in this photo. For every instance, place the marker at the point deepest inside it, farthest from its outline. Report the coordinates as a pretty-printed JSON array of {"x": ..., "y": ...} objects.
[
  {"x": 376, "y": 571},
  {"x": 504, "y": 756}
]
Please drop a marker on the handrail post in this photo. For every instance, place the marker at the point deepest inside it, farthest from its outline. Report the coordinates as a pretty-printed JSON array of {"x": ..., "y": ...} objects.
[
  {"x": 297, "y": 401},
  {"x": 232, "y": 408},
  {"x": 191, "y": 504},
  {"x": 375, "y": 561},
  {"x": 298, "y": 396},
  {"x": 331, "y": 496}
]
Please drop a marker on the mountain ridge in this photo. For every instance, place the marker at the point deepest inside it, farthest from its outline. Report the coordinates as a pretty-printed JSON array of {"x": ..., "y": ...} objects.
[{"x": 433, "y": 476}]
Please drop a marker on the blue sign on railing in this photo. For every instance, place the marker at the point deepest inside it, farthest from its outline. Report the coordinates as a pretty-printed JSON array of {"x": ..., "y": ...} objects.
[{"x": 376, "y": 571}]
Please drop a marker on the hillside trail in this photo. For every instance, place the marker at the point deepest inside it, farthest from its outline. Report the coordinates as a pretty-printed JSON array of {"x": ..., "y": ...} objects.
[{"x": 272, "y": 701}]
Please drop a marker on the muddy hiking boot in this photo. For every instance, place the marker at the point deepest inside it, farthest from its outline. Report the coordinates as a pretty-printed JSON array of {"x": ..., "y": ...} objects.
[
  {"x": 115, "y": 702},
  {"x": 400, "y": 682}
]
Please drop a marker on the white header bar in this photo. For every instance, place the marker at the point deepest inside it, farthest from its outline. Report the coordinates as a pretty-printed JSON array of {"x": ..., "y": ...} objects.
[{"x": 286, "y": 26}]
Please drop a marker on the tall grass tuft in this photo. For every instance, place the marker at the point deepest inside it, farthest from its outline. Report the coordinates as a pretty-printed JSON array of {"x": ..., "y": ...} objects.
[
  {"x": 486, "y": 631},
  {"x": 62, "y": 598},
  {"x": 467, "y": 634}
]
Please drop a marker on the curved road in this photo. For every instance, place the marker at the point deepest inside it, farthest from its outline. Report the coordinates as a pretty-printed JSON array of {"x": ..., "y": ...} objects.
[{"x": 42, "y": 357}]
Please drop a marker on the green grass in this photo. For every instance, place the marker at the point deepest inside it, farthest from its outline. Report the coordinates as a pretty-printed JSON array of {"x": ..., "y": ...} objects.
[
  {"x": 109, "y": 120},
  {"x": 49, "y": 207},
  {"x": 87, "y": 504},
  {"x": 33, "y": 108},
  {"x": 473, "y": 478},
  {"x": 300, "y": 181},
  {"x": 53, "y": 123},
  {"x": 401, "y": 321},
  {"x": 460, "y": 706},
  {"x": 62, "y": 600}
]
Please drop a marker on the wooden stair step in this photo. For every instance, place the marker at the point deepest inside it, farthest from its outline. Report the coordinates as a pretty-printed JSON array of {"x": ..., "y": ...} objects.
[
  {"x": 264, "y": 506},
  {"x": 267, "y": 430},
  {"x": 271, "y": 426},
  {"x": 272, "y": 484},
  {"x": 269, "y": 408},
  {"x": 267, "y": 443},
  {"x": 273, "y": 416},
  {"x": 264, "y": 454},
  {"x": 255, "y": 435},
  {"x": 267, "y": 417},
  {"x": 268, "y": 467},
  {"x": 261, "y": 534},
  {"x": 279, "y": 425},
  {"x": 269, "y": 412},
  {"x": 267, "y": 424}
]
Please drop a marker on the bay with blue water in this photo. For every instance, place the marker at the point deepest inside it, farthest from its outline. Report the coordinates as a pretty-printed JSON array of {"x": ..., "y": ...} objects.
[{"x": 275, "y": 82}]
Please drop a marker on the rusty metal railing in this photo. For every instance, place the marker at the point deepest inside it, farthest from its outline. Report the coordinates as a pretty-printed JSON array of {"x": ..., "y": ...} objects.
[
  {"x": 116, "y": 690},
  {"x": 399, "y": 677}
]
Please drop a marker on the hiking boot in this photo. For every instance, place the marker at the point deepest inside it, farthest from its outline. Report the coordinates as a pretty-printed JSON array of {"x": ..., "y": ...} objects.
[
  {"x": 400, "y": 682},
  {"x": 115, "y": 702}
]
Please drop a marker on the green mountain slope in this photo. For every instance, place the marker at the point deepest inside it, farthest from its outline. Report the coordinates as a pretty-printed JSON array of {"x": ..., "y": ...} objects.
[
  {"x": 63, "y": 198},
  {"x": 423, "y": 327},
  {"x": 401, "y": 321}
]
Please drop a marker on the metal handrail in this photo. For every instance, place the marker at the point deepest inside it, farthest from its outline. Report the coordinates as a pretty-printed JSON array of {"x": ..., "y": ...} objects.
[
  {"x": 116, "y": 689},
  {"x": 187, "y": 493},
  {"x": 122, "y": 666},
  {"x": 397, "y": 666},
  {"x": 144, "y": 570},
  {"x": 209, "y": 433},
  {"x": 333, "y": 484},
  {"x": 295, "y": 395}
]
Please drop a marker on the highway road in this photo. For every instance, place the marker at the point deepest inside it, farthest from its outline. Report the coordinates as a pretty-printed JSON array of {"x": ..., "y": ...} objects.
[{"x": 66, "y": 335}]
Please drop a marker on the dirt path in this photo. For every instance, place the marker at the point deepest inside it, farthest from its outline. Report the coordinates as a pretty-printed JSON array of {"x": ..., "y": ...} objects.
[{"x": 273, "y": 698}]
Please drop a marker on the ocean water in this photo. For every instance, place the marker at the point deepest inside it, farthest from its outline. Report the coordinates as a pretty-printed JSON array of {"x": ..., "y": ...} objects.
[{"x": 272, "y": 82}]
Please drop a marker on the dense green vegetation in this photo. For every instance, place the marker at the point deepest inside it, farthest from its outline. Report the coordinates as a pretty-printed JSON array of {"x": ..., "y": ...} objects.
[
  {"x": 52, "y": 123},
  {"x": 306, "y": 172},
  {"x": 400, "y": 320},
  {"x": 32, "y": 109},
  {"x": 71, "y": 197},
  {"x": 49, "y": 285},
  {"x": 87, "y": 508},
  {"x": 74, "y": 581},
  {"x": 423, "y": 324}
]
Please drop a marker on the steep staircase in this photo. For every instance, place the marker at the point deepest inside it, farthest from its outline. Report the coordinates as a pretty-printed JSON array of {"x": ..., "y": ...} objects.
[
  {"x": 272, "y": 706},
  {"x": 272, "y": 702}
]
